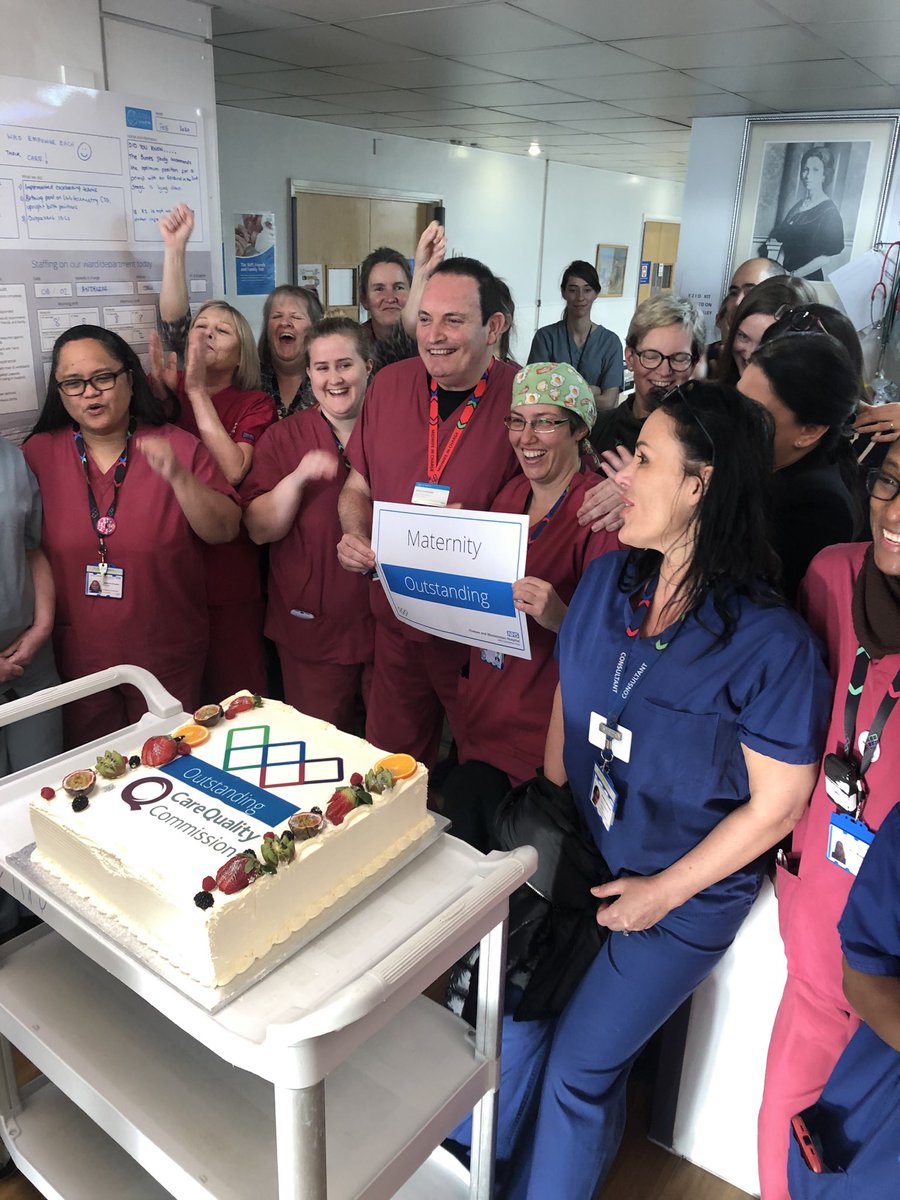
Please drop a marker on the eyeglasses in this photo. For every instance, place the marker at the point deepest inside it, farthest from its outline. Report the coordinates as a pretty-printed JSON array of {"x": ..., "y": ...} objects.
[
  {"x": 103, "y": 381},
  {"x": 798, "y": 320},
  {"x": 677, "y": 362},
  {"x": 538, "y": 424},
  {"x": 679, "y": 392},
  {"x": 880, "y": 486}
]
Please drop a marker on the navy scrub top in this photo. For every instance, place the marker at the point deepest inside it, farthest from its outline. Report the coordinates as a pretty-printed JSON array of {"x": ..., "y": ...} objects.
[{"x": 690, "y": 713}]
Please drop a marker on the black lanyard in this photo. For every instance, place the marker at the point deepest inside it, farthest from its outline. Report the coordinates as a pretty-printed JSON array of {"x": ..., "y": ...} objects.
[
  {"x": 851, "y": 708},
  {"x": 337, "y": 441},
  {"x": 103, "y": 526},
  {"x": 572, "y": 363}
]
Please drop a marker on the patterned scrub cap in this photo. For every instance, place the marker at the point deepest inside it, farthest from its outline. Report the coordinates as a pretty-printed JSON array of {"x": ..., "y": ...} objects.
[{"x": 555, "y": 383}]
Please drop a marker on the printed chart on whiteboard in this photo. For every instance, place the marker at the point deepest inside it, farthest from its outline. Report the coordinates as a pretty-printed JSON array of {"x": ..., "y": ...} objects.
[{"x": 84, "y": 178}]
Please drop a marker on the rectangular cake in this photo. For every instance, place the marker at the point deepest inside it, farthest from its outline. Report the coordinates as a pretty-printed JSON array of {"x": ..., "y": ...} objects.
[{"x": 215, "y": 855}]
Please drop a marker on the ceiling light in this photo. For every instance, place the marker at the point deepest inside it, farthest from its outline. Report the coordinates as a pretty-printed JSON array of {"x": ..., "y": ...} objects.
[{"x": 534, "y": 149}]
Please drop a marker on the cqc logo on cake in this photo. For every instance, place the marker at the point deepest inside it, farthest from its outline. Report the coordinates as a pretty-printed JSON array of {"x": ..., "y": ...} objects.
[{"x": 252, "y": 766}]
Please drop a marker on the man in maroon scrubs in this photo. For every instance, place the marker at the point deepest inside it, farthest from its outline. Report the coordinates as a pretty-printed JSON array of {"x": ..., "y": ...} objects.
[{"x": 458, "y": 383}]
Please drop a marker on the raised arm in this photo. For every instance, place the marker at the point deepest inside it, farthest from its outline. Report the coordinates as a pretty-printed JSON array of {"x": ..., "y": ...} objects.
[
  {"x": 176, "y": 228},
  {"x": 232, "y": 458},
  {"x": 429, "y": 252},
  {"x": 779, "y": 794},
  {"x": 270, "y": 517},
  {"x": 213, "y": 517},
  {"x": 354, "y": 550}
]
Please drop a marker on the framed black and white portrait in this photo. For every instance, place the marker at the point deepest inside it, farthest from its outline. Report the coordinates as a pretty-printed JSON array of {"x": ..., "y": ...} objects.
[{"x": 812, "y": 191}]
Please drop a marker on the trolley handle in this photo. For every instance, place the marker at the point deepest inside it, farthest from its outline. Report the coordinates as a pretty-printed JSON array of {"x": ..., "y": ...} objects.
[{"x": 159, "y": 702}]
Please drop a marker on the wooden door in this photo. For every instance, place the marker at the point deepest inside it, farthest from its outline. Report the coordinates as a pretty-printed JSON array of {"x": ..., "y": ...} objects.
[
  {"x": 337, "y": 232},
  {"x": 659, "y": 248}
]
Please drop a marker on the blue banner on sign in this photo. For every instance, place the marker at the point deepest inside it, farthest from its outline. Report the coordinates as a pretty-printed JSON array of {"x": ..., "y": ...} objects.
[
  {"x": 228, "y": 789},
  {"x": 139, "y": 118},
  {"x": 457, "y": 591},
  {"x": 256, "y": 275},
  {"x": 645, "y": 270}
]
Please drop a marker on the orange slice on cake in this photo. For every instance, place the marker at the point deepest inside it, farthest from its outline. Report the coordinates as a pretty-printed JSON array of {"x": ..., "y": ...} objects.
[
  {"x": 401, "y": 766},
  {"x": 193, "y": 735}
]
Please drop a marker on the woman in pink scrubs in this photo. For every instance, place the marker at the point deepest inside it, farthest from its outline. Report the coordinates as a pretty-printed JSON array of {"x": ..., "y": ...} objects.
[
  {"x": 129, "y": 502},
  {"x": 318, "y": 615}
]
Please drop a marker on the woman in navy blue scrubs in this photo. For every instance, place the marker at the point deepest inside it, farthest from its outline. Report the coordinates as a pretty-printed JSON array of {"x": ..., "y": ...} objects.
[{"x": 688, "y": 723}]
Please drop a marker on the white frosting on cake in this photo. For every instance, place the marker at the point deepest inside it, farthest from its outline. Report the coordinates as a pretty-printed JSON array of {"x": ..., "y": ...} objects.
[{"x": 142, "y": 848}]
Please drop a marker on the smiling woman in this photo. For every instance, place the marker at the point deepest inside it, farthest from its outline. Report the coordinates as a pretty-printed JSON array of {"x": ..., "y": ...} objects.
[
  {"x": 128, "y": 501},
  {"x": 317, "y": 614},
  {"x": 384, "y": 283}
]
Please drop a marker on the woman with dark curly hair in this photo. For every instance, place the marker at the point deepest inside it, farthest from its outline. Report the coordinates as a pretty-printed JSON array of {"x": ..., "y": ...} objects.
[{"x": 128, "y": 501}]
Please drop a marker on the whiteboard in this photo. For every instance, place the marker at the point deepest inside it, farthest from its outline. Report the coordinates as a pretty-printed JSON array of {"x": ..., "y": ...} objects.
[{"x": 84, "y": 178}]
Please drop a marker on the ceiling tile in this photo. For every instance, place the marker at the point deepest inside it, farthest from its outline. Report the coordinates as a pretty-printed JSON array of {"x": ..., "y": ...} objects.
[
  {"x": 826, "y": 100},
  {"x": 609, "y": 20},
  {"x": 316, "y": 46},
  {"x": 836, "y": 10},
  {"x": 832, "y": 72},
  {"x": 293, "y": 106},
  {"x": 444, "y": 133},
  {"x": 396, "y": 100},
  {"x": 887, "y": 69},
  {"x": 646, "y": 83},
  {"x": 495, "y": 95},
  {"x": 239, "y": 16},
  {"x": 474, "y": 29},
  {"x": 229, "y": 62},
  {"x": 421, "y": 73},
  {"x": 226, "y": 91},
  {"x": 339, "y": 11},
  {"x": 556, "y": 64},
  {"x": 783, "y": 43},
  {"x": 378, "y": 122},
  {"x": 684, "y": 108},
  {"x": 671, "y": 139},
  {"x": 296, "y": 83},
  {"x": 624, "y": 126},
  {"x": 481, "y": 116},
  {"x": 577, "y": 110},
  {"x": 861, "y": 39}
]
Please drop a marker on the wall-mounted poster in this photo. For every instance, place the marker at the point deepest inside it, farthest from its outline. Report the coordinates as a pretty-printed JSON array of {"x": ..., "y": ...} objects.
[
  {"x": 254, "y": 253},
  {"x": 611, "y": 262},
  {"x": 812, "y": 192}
]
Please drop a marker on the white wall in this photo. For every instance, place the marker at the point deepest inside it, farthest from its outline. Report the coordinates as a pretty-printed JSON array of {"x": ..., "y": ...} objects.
[
  {"x": 494, "y": 202},
  {"x": 132, "y": 47},
  {"x": 709, "y": 198}
]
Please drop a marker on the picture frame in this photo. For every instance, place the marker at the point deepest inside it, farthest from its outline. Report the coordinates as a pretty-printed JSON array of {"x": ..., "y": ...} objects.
[
  {"x": 610, "y": 262},
  {"x": 812, "y": 212}
]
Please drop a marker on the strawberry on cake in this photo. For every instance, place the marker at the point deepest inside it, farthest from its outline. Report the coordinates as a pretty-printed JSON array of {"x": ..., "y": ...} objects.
[{"x": 215, "y": 842}]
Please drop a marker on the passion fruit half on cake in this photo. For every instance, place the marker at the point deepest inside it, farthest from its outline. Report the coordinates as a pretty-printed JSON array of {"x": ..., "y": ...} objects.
[
  {"x": 209, "y": 715},
  {"x": 305, "y": 825},
  {"x": 79, "y": 782}
]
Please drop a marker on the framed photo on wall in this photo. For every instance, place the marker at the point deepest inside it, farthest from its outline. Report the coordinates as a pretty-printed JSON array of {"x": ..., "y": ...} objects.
[
  {"x": 610, "y": 265},
  {"x": 811, "y": 191}
]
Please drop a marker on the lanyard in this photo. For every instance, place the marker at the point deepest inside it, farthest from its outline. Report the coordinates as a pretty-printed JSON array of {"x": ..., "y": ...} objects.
[
  {"x": 539, "y": 526},
  {"x": 622, "y": 684},
  {"x": 435, "y": 466},
  {"x": 572, "y": 363},
  {"x": 851, "y": 708},
  {"x": 103, "y": 526},
  {"x": 337, "y": 441}
]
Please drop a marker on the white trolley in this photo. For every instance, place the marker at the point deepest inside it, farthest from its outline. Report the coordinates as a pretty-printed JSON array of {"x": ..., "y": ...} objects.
[{"x": 332, "y": 1078}]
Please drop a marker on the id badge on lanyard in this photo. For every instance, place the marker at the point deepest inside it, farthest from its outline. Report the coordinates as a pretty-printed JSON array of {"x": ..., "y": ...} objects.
[{"x": 849, "y": 837}]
